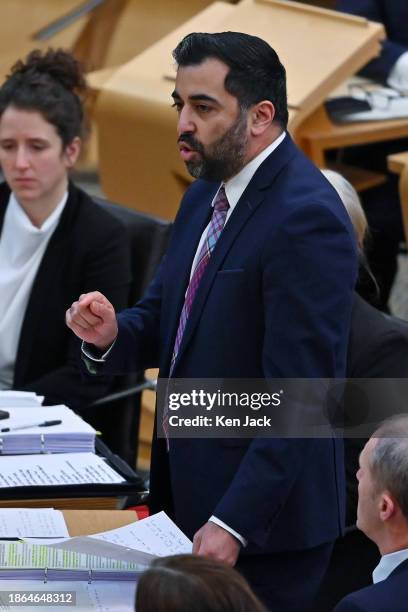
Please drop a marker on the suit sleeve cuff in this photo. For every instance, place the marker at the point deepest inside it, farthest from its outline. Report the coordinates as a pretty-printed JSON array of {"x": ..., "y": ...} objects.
[
  {"x": 214, "y": 519},
  {"x": 94, "y": 354}
]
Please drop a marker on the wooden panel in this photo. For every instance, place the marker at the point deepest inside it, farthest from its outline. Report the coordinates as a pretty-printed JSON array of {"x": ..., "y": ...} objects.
[
  {"x": 87, "y": 522},
  {"x": 21, "y": 19},
  {"x": 360, "y": 179},
  {"x": 398, "y": 163},
  {"x": 61, "y": 503},
  {"x": 143, "y": 23}
]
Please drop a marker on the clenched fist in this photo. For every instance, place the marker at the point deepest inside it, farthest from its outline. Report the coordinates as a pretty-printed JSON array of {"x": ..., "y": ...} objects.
[{"x": 92, "y": 318}]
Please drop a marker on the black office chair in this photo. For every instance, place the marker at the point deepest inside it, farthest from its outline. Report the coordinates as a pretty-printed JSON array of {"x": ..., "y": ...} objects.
[{"x": 117, "y": 415}]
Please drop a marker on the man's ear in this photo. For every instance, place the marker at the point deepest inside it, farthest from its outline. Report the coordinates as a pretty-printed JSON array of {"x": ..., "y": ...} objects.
[
  {"x": 72, "y": 151},
  {"x": 387, "y": 506},
  {"x": 261, "y": 116}
]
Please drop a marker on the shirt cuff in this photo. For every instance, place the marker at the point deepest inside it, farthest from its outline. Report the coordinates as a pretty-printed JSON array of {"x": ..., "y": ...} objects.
[
  {"x": 236, "y": 535},
  {"x": 398, "y": 77},
  {"x": 94, "y": 354}
]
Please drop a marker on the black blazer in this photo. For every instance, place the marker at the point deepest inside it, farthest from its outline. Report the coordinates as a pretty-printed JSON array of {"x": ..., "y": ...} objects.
[
  {"x": 88, "y": 251},
  {"x": 378, "y": 348},
  {"x": 389, "y": 595}
]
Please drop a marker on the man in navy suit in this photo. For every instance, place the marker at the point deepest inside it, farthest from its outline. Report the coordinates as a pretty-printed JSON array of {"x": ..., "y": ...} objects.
[
  {"x": 382, "y": 514},
  {"x": 391, "y": 66},
  {"x": 257, "y": 283}
]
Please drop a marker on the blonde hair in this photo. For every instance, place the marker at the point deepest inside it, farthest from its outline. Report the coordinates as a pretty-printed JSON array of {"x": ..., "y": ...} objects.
[{"x": 349, "y": 196}]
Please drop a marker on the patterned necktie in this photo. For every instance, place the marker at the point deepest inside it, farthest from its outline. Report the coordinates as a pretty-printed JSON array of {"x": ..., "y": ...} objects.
[{"x": 216, "y": 226}]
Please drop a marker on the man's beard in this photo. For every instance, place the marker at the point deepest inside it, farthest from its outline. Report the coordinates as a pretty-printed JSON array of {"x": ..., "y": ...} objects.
[{"x": 222, "y": 159}]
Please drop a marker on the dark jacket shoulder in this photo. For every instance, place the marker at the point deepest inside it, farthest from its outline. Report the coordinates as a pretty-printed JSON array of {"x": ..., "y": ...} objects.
[
  {"x": 389, "y": 595},
  {"x": 378, "y": 344}
]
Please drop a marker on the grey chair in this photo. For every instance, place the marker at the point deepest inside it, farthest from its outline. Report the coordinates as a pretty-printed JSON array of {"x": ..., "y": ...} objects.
[{"x": 117, "y": 415}]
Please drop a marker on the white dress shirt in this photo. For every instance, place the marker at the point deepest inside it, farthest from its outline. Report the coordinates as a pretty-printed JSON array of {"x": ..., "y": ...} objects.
[
  {"x": 388, "y": 563},
  {"x": 22, "y": 246},
  {"x": 398, "y": 77}
]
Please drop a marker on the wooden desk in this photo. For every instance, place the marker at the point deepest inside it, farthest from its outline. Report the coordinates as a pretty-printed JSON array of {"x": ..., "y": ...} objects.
[
  {"x": 398, "y": 163},
  {"x": 87, "y": 522},
  {"x": 318, "y": 134},
  {"x": 79, "y": 504}
]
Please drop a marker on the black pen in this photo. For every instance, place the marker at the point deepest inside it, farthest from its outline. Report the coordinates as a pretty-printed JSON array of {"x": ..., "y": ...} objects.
[{"x": 44, "y": 424}]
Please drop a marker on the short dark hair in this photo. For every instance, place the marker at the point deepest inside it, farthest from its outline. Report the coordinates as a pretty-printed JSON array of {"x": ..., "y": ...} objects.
[
  {"x": 182, "y": 583},
  {"x": 255, "y": 74},
  {"x": 51, "y": 83}
]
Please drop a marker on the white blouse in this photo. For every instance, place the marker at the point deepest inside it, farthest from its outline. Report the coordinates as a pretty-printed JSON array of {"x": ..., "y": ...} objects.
[{"x": 22, "y": 246}]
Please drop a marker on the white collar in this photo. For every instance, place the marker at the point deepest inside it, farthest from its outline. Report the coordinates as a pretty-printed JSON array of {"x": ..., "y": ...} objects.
[
  {"x": 235, "y": 187},
  {"x": 24, "y": 221},
  {"x": 388, "y": 563}
]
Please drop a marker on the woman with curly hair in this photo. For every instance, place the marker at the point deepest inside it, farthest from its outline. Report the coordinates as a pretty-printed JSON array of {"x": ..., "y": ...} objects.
[{"x": 55, "y": 242}]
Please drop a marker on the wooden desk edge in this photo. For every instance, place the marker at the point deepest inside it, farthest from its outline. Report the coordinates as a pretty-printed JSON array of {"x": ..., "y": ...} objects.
[{"x": 87, "y": 522}]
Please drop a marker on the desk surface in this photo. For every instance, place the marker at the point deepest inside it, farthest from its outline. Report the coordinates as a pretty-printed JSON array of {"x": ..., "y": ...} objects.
[
  {"x": 87, "y": 522},
  {"x": 319, "y": 129},
  {"x": 398, "y": 162}
]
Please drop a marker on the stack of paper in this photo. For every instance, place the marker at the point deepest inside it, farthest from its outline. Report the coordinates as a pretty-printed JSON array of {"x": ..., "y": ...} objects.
[
  {"x": 64, "y": 469},
  {"x": 30, "y": 431},
  {"x": 20, "y": 398},
  {"x": 22, "y": 560},
  {"x": 120, "y": 555}
]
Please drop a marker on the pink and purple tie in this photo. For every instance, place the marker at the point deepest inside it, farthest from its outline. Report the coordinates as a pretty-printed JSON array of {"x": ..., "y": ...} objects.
[{"x": 216, "y": 226}]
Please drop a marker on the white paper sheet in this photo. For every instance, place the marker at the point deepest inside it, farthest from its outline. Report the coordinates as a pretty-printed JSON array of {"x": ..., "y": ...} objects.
[
  {"x": 61, "y": 469},
  {"x": 156, "y": 535},
  {"x": 20, "y": 398},
  {"x": 32, "y": 522},
  {"x": 98, "y": 596},
  {"x": 140, "y": 542},
  {"x": 70, "y": 422}
]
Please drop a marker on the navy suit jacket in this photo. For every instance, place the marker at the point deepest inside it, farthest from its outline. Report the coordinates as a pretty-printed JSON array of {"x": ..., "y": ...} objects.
[
  {"x": 389, "y": 595},
  {"x": 393, "y": 14},
  {"x": 275, "y": 301}
]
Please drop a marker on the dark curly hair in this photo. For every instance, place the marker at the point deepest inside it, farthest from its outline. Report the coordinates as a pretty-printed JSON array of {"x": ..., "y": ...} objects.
[{"x": 52, "y": 83}]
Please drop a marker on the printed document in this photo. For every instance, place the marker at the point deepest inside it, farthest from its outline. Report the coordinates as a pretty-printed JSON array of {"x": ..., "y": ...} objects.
[
  {"x": 61, "y": 469},
  {"x": 32, "y": 522}
]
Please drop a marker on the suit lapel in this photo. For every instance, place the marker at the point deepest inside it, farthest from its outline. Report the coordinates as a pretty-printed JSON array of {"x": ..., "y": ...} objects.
[
  {"x": 402, "y": 567},
  {"x": 250, "y": 200}
]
